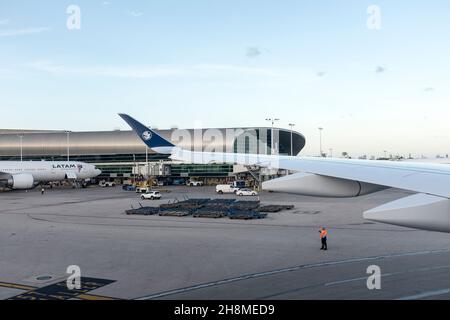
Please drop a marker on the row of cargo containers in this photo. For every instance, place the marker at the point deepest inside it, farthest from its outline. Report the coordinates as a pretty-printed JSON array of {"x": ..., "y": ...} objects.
[
  {"x": 275, "y": 208},
  {"x": 202, "y": 213},
  {"x": 199, "y": 203},
  {"x": 246, "y": 214},
  {"x": 215, "y": 208},
  {"x": 145, "y": 211}
]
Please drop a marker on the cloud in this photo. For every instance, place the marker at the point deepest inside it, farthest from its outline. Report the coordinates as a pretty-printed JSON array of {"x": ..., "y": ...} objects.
[
  {"x": 7, "y": 73},
  {"x": 199, "y": 70},
  {"x": 227, "y": 69},
  {"x": 4, "y": 21},
  {"x": 253, "y": 52},
  {"x": 107, "y": 71},
  {"x": 321, "y": 74},
  {"x": 136, "y": 14},
  {"x": 23, "y": 32},
  {"x": 380, "y": 69},
  {"x": 106, "y": 3},
  {"x": 429, "y": 89}
]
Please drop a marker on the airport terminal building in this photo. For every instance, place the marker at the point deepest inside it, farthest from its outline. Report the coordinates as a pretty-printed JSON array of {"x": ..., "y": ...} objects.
[{"x": 121, "y": 155}]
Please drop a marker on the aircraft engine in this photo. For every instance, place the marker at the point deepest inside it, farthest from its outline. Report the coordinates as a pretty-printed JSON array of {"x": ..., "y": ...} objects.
[
  {"x": 320, "y": 186},
  {"x": 21, "y": 181}
]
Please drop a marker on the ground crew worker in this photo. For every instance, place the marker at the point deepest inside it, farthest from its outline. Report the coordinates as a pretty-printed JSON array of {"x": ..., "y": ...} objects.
[
  {"x": 42, "y": 190},
  {"x": 323, "y": 238}
]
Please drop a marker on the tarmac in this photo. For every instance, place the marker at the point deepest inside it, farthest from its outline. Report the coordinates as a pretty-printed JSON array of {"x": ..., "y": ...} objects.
[{"x": 153, "y": 257}]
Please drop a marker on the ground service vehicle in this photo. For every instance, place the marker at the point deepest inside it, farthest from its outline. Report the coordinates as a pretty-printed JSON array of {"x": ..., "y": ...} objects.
[
  {"x": 105, "y": 184},
  {"x": 226, "y": 188},
  {"x": 194, "y": 183},
  {"x": 246, "y": 192},
  {"x": 152, "y": 195},
  {"x": 143, "y": 189}
]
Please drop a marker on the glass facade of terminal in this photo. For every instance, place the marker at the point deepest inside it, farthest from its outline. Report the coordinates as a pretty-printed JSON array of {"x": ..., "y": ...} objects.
[
  {"x": 120, "y": 154},
  {"x": 112, "y": 158},
  {"x": 200, "y": 170}
]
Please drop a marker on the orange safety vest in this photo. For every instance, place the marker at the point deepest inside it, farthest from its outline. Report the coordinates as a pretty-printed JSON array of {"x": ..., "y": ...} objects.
[{"x": 323, "y": 234}]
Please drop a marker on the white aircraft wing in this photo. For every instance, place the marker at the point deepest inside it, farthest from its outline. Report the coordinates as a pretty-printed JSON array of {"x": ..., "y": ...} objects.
[
  {"x": 431, "y": 179},
  {"x": 429, "y": 210}
]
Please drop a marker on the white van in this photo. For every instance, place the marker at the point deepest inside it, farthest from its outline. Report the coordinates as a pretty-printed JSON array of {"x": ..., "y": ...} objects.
[{"x": 226, "y": 188}]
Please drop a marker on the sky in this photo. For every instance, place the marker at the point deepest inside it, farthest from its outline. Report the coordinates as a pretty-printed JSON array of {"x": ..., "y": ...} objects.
[{"x": 374, "y": 74}]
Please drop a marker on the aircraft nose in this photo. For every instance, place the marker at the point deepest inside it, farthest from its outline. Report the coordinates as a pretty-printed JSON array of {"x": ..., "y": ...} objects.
[{"x": 98, "y": 172}]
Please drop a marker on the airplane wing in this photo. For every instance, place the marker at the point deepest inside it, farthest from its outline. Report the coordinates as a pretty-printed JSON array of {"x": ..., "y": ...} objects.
[
  {"x": 423, "y": 178},
  {"x": 430, "y": 209}
]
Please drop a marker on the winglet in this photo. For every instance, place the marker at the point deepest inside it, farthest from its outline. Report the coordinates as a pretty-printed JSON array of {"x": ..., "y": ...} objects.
[{"x": 152, "y": 139}]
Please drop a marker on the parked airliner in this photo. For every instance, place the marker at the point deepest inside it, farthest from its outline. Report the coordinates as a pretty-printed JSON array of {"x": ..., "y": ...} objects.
[{"x": 22, "y": 175}]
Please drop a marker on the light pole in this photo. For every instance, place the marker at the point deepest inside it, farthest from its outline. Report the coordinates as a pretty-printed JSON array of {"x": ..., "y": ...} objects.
[
  {"x": 21, "y": 147},
  {"x": 272, "y": 120},
  {"x": 331, "y": 152},
  {"x": 146, "y": 161},
  {"x": 134, "y": 167},
  {"x": 68, "y": 145},
  {"x": 292, "y": 125},
  {"x": 320, "y": 137},
  {"x": 385, "y": 154}
]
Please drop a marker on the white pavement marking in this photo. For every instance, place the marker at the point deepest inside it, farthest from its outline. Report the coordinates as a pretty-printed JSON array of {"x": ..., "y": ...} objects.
[
  {"x": 273, "y": 272},
  {"x": 424, "y": 295},
  {"x": 388, "y": 275}
]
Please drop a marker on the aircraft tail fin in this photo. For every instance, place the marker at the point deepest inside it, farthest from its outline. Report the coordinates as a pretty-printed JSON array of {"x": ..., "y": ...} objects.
[{"x": 152, "y": 139}]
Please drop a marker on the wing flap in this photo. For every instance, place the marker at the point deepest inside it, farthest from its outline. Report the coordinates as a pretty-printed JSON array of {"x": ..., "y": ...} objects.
[{"x": 421, "y": 211}]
